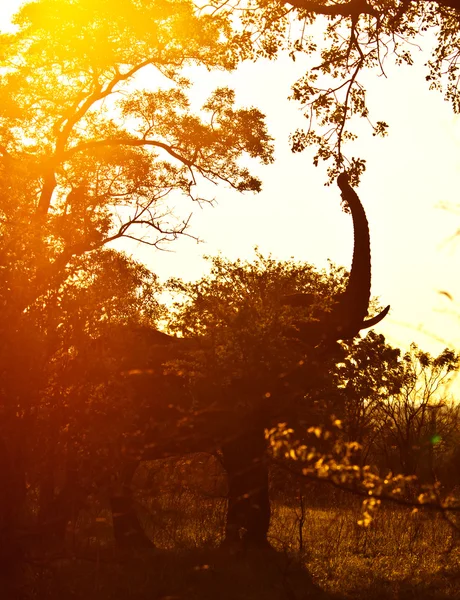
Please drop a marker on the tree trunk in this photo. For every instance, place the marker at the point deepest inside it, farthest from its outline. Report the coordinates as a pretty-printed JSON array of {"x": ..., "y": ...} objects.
[
  {"x": 248, "y": 513},
  {"x": 12, "y": 496}
]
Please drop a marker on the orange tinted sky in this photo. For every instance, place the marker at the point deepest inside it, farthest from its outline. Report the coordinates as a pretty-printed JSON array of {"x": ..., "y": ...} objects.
[{"x": 409, "y": 175}]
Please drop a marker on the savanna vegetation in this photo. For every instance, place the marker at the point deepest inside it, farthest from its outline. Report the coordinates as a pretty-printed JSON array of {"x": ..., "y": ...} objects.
[{"x": 240, "y": 440}]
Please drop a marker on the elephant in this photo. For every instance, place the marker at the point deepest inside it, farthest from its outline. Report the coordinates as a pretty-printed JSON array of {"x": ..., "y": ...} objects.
[
  {"x": 349, "y": 315},
  {"x": 240, "y": 438},
  {"x": 244, "y": 456}
]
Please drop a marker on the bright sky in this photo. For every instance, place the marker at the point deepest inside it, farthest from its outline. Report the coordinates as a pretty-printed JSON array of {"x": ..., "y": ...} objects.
[{"x": 410, "y": 174}]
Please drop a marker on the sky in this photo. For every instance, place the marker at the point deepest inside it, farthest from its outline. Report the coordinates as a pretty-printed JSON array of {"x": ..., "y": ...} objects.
[{"x": 411, "y": 176}]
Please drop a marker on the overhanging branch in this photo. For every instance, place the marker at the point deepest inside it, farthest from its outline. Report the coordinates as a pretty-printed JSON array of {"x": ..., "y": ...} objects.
[{"x": 347, "y": 9}]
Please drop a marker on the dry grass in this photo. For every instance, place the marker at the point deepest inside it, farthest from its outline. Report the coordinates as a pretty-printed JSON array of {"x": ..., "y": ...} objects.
[
  {"x": 401, "y": 556},
  {"x": 399, "y": 551}
]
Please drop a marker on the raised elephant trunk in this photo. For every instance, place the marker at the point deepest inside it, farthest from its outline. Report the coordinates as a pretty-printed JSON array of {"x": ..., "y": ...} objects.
[
  {"x": 349, "y": 315},
  {"x": 354, "y": 304}
]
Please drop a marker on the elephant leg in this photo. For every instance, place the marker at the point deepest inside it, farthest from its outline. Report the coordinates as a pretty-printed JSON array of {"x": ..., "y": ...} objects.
[
  {"x": 127, "y": 529},
  {"x": 248, "y": 513}
]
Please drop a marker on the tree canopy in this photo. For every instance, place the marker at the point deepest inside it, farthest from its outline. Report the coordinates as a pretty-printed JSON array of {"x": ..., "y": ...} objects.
[
  {"x": 70, "y": 89},
  {"x": 343, "y": 40},
  {"x": 97, "y": 129},
  {"x": 102, "y": 138}
]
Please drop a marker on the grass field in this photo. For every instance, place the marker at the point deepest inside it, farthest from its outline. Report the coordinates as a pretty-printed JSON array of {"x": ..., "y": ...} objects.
[{"x": 317, "y": 553}]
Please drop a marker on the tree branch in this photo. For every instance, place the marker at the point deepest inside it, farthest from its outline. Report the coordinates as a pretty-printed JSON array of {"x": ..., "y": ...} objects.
[
  {"x": 347, "y": 9},
  {"x": 453, "y": 4},
  {"x": 127, "y": 142}
]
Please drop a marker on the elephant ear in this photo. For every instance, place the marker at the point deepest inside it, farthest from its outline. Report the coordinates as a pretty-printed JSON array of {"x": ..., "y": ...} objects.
[{"x": 349, "y": 315}]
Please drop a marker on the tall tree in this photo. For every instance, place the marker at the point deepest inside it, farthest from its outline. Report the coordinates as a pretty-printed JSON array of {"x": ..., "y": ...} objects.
[
  {"x": 344, "y": 39},
  {"x": 97, "y": 129},
  {"x": 97, "y": 132},
  {"x": 63, "y": 413}
]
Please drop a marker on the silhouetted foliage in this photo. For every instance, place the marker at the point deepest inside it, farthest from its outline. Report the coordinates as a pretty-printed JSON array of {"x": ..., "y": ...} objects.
[
  {"x": 98, "y": 141},
  {"x": 90, "y": 151},
  {"x": 343, "y": 40}
]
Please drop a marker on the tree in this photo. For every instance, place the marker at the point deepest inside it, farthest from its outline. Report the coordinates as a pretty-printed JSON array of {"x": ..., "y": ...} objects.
[
  {"x": 62, "y": 422},
  {"x": 96, "y": 132},
  {"x": 396, "y": 407},
  {"x": 360, "y": 36},
  {"x": 89, "y": 152},
  {"x": 417, "y": 422},
  {"x": 371, "y": 372}
]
